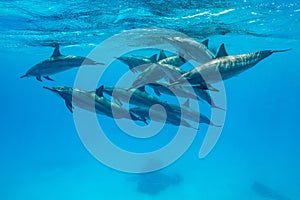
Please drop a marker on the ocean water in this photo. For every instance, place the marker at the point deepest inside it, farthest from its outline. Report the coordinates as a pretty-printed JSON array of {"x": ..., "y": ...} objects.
[{"x": 256, "y": 156}]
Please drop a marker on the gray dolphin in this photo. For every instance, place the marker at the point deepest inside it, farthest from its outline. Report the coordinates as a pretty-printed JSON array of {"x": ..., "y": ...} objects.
[
  {"x": 138, "y": 97},
  {"x": 86, "y": 100},
  {"x": 57, "y": 63},
  {"x": 224, "y": 65},
  {"x": 134, "y": 61},
  {"x": 172, "y": 118}
]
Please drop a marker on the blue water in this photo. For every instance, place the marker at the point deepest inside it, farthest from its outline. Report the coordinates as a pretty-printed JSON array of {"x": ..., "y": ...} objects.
[{"x": 42, "y": 156}]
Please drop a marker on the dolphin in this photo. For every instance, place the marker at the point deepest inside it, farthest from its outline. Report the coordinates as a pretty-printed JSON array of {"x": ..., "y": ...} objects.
[
  {"x": 192, "y": 49},
  {"x": 134, "y": 61},
  {"x": 86, "y": 100},
  {"x": 224, "y": 65},
  {"x": 156, "y": 115},
  {"x": 190, "y": 114},
  {"x": 138, "y": 97},
  {"x": 57, "y": 63}
]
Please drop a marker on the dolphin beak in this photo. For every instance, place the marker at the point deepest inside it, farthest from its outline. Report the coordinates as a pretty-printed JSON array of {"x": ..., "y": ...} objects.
[{"x": 49, "y": 89}]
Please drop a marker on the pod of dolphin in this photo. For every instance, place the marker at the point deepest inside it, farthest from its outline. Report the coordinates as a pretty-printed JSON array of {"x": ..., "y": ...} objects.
[{"x": 159, "y": 72}]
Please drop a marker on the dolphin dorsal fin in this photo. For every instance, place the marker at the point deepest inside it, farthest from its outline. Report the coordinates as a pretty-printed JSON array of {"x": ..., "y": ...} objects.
[
  {"x": 56, "y": 52},
  {"x": 222, "y": 51},
  {"x": 99, "y": 91},
  {"x": 162, "y": 55},
  {"x": 142, "y": 88},
  {"x": 153, "y": 58},
  {"x": 205, "y": 43},
  {"x": 187, "y": 103}
]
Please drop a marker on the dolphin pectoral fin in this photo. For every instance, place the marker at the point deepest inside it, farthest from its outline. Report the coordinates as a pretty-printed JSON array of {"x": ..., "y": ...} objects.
[
  {"x": 218, "y": 107},
  {"x": 38, "y": 78},
  {"x": 185, "y": 123},
  {"x": 133, "y": 70},
  {"x": 136, "y": 117},
  {"x": 215, "y": 125},
  {"x": 222, "y": 52},
  {"x": 69, "y": 106},
  {"x": 99, "y": 63},
  {"x": 48, "y": 78}
]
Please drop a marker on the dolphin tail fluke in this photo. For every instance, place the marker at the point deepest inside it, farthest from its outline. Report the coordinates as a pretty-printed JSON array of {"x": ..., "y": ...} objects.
[
  {"x": 211, "y": 88},
  {"x": 25, "y": 75}
]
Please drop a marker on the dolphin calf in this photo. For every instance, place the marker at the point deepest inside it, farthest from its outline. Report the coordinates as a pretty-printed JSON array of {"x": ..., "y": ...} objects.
[
  {"x": 224, "y": 65},
  {"x": 138, "y": 97},
  {"x": 57, "y": 63},
  {"x": 86, "y": 100},
  {"x": 134, "y": 61}
]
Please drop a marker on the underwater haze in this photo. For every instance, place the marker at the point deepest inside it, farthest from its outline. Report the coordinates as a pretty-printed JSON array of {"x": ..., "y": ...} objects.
[{"x": 257, "y": 155}]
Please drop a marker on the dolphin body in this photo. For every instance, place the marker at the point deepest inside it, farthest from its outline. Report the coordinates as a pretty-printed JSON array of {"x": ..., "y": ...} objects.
[
  {"x": 155, "y": 72},
  {"x": 135, "y": 61},
  {"x": 57, "y": 63},
  {"x": 177, "y": 60},
  {"x": 189, "y": 114},
  {"x": 138, "y": 97},
  {"x": 224, "y": 65},
  {"x": 192, "y": 49},
  {"x": 156, "y": 115},
  {"x": 182, "y": 91},
  {"x": 92, "y": 101}
]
